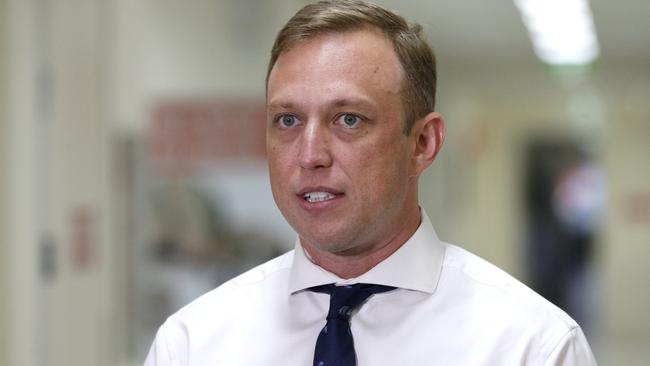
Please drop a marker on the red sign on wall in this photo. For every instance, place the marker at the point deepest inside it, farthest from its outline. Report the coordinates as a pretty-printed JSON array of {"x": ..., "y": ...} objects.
[
  {"x": 196, "y": 131},
  {"x": 83, "y": 237}
]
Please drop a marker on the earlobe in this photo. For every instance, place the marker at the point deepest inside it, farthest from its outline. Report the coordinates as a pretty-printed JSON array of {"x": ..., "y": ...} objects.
[{"x": 429, "y": 136}]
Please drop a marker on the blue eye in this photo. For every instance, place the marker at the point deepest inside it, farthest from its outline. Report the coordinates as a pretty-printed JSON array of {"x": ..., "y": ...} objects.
[
  {"x": 287, "y": 121},
  {"x": 350, "y": 120}
]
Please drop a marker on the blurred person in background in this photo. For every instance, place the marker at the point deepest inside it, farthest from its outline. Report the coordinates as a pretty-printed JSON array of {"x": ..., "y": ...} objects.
[{"x": 351, "y": 126}]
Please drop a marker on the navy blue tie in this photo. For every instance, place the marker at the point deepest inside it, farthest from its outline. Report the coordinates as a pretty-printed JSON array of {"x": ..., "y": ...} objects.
[{"x": 335, "y": 346}]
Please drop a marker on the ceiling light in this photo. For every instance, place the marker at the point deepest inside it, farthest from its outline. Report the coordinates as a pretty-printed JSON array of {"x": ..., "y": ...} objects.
[{"x": 562, "y": 31}]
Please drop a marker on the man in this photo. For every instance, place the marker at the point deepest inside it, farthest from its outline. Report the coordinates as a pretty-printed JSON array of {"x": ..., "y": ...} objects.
[{"x": 351, "y": 126}]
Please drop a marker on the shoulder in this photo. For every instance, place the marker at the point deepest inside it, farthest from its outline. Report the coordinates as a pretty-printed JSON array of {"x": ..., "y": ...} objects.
[
  {"x": 196, "y": 331},
  {"x": 476, "y": 274},
  {"x": 500, "y": 305},
  {"x": 245, "y": 290}
]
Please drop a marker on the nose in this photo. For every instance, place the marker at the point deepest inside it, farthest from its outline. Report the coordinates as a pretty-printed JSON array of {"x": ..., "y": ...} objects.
[{"x": 314, "y": 150}]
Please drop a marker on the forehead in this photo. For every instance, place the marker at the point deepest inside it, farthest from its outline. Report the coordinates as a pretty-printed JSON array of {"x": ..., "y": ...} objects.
[{"x": 364, "y": 57}]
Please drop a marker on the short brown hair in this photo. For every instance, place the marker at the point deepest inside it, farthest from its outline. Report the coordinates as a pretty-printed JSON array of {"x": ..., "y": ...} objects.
[{"x": 415, "y": 54}]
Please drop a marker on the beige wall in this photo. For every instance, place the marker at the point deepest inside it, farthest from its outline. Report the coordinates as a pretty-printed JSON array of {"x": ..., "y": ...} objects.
[
  {"x": 626, "y": 236},
  {"x": 21, "y": 243},
  {"x": 56, "y": 165},
  {"x": 4, "y": 189},
  {"x": 79, "y": 298},
  {"x": 171, "y": 49}
]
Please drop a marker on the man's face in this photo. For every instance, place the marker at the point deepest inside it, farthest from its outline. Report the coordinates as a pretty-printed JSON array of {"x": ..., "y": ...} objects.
[{"x": 340, "y": 166}]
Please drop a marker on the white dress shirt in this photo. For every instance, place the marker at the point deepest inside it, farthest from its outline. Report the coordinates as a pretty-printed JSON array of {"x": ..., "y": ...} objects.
[{"x": 450, "y": 308}]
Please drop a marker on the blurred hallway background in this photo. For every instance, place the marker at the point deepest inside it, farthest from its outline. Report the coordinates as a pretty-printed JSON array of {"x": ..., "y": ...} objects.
[{"x": 133, "y": 179}]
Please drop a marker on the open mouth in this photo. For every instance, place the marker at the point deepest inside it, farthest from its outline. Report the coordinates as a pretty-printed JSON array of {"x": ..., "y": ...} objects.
[{"x": 312, "y": 197}]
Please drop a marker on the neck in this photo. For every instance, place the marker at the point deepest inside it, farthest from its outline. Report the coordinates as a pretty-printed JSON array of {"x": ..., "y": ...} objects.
[{"x": 346, "y": 265}]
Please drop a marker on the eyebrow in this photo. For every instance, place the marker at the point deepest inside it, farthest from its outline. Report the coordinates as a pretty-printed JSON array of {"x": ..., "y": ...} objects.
[
  {"x": 281, "y": 105},
  {"x": 356, "y": 101},
  {"x": 339, "y": 102}
]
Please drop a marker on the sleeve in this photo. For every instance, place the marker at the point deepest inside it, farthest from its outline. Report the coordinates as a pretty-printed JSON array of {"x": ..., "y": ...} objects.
[
  {"x": 572, "y": 350},
  {"x": 160, "y": 354}
]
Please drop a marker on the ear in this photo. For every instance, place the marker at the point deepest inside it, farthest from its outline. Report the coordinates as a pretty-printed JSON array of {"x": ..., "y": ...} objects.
[{"x": 429, "y": 134}]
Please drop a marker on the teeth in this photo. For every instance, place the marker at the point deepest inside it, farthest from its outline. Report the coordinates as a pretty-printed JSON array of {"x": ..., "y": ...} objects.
[{"x": 318, "y": 196}]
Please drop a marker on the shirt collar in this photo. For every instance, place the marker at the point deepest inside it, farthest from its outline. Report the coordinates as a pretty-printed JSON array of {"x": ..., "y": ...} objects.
[{"x": 415, "y": 265}]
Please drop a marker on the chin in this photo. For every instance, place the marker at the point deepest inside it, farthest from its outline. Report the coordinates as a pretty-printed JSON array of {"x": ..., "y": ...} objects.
[{"x": 327, "y": 241}]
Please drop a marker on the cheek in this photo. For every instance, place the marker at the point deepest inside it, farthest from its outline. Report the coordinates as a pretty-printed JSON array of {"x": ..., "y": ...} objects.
[
  {"x": 281, "y": 164},
  {"x": 381, "y": 170},
  {"x": 276, "y": 169},
  {"x": 277, "y": 155},
  {"x": 278, "y": 187}
]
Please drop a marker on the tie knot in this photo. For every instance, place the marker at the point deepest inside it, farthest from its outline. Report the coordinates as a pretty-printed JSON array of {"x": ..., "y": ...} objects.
[{"x": 345, "y": 299}]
